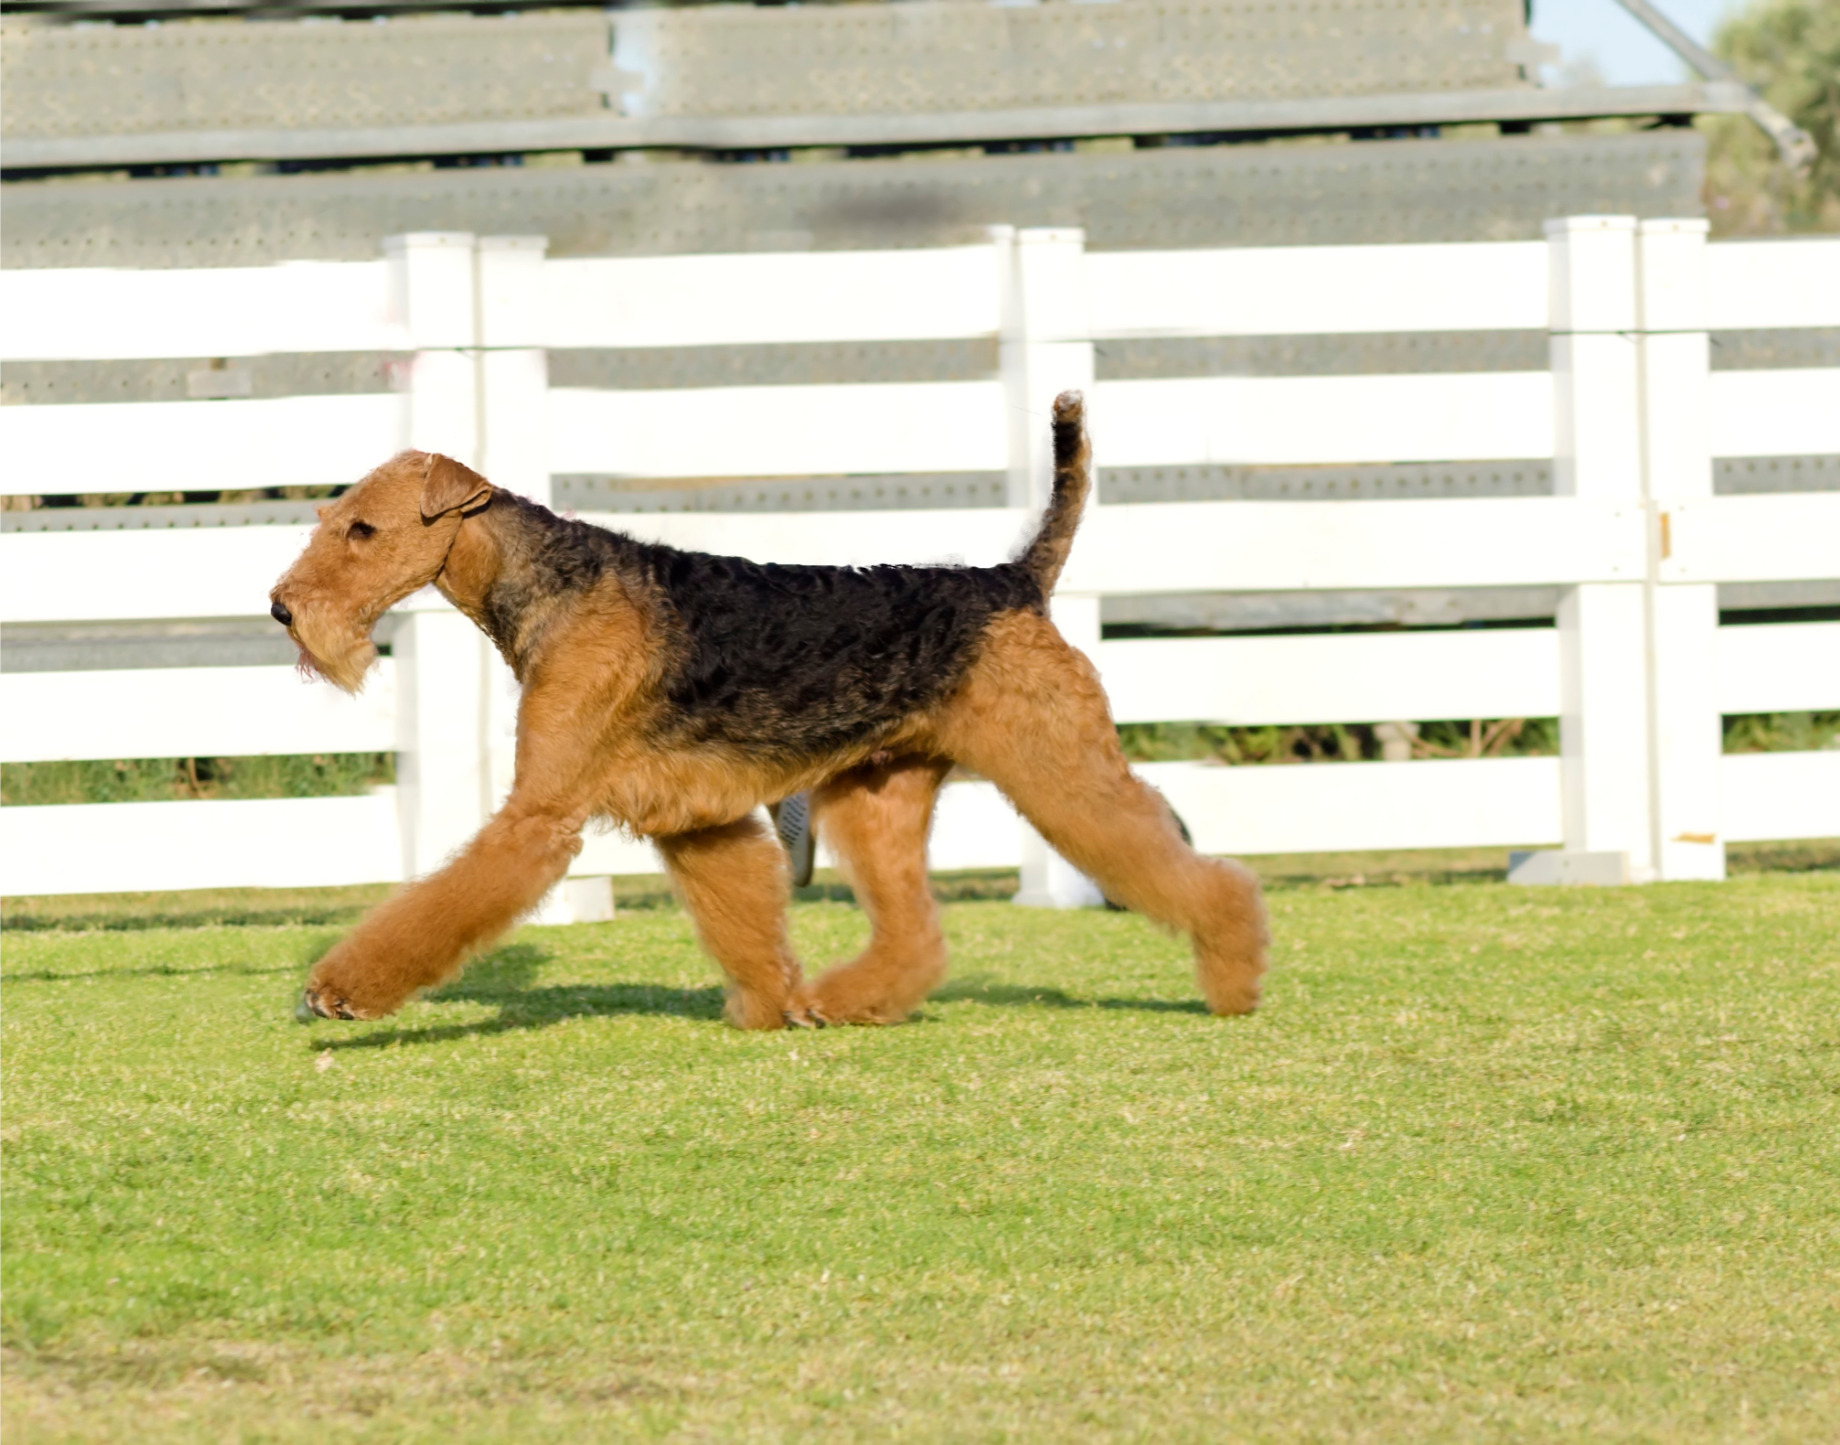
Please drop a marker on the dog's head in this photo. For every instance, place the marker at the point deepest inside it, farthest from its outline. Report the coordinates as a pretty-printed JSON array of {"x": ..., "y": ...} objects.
[{"x": 380, "y": 541}]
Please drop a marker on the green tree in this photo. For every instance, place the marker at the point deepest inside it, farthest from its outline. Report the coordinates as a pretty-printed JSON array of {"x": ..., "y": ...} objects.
[{"x": 1790, "y": 51}]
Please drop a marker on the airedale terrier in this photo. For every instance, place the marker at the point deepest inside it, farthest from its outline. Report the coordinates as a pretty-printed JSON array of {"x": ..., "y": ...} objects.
[{"x": 674, "y": 693}]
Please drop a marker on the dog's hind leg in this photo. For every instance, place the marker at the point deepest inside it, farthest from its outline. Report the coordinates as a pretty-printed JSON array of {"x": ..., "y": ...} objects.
[
  {"x": 1032, "y": 717},
  {"x": 733, "y": 881},
  {"x": 875, "y": 819}
]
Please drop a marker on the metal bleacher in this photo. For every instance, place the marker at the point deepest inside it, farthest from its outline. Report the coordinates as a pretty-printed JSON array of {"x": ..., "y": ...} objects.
[{"x": 905, "y": 124}]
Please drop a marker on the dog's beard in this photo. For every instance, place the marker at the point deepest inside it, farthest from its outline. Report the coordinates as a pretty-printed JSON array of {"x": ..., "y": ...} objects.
[{"x": 343, "y": 666}]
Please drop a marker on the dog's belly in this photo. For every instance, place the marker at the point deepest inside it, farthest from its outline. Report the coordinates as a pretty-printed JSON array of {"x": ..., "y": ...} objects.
[{"x": 671, "y": 791}]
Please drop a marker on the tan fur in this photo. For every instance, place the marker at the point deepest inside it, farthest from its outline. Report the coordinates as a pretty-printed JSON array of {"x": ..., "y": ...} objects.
[
  {"x": 450, "y": 486},
  {"x": 1033, "y": 718},
  {"x": 1047, "y": 554},
  {"x": 342, "y": 585},
  {"x": 1029, "y": 714},
  {"x": 876, "y": 819},
  {"x": 422, "y": 935},
  {"x": 733, "y": 880}
]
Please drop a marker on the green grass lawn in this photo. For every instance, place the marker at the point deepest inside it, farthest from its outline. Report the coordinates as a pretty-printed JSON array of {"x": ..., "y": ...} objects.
[{"x": 1492, "y": 1164}]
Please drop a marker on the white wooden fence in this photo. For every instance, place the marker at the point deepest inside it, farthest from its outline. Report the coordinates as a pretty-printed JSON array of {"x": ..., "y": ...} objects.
[{"x": 1638, "y": 670}]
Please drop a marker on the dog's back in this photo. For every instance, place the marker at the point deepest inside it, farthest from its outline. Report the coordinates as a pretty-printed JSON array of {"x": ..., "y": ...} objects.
[{"x": 810, "y": 660}]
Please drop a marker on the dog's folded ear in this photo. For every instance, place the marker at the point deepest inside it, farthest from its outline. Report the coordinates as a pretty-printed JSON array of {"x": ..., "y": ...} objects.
[{"x": 448, "y": 486}]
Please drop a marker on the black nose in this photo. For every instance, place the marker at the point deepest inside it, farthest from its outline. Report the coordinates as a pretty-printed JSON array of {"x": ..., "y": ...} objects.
[{"x": 280, "y": 613}]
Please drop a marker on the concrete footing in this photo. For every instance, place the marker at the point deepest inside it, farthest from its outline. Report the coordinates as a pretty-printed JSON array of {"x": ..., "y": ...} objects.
[{"x": 1557, "y": 865}]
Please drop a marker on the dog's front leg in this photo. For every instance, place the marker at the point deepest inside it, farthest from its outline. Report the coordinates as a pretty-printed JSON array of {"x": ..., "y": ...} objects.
[{"x": 422, "y": 935}]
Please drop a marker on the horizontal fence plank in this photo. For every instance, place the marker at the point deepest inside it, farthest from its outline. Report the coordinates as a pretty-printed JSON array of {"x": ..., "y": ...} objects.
[
  {"x": 768, "y": 431},
  {"x": 319, "y": 842},
  {"x": 977, "y": 536},
  {"x": 1336, "y": 807},
  {"x": 1332, "y": 807},
  {"x": 198, "y": 445},
  {"x": 1290, "y": 290},
  {"x": 1771, "y": 796},
  {"x": 1328, "y": 807},
  {"x": 149, "y": 847},
  {"x": 761, "y": 431},
  {"x": 1776, "y": 413},
  {"x": 974, "y": 826},
  {"x": 767, "y": 298},
  {"x": 94, "y": 313},
  {"x": 1771, "y": 283},
  {"x": 1757, "y": 537},
  {"x": 187, "y": 712},
  {"x": 1302, "y": 546},
  {"x": 237, "y": 711},
  {"x": 1337, "y": 678},
  {"x": 1779, "y": 667},
  {"x": 136, "y": 575},
  {"x": 311, "y": 306},
  {"x": 1323, "y": 419},
  {"x": 1212, "y": 546},
  {"x": 609, "y": 853}
]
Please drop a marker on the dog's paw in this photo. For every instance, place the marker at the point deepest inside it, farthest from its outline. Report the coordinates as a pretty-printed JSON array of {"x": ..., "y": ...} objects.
[
  {"x": 1230, "y": 1000},
  {"x": 750, "y": 1009},
  {"x": 322, "y": 1002}
]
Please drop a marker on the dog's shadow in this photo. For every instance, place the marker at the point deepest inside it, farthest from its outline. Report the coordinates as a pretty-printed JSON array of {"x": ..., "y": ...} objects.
[
  {"x": 977, "y": 988},
  {"x": 506, "y": 980}
]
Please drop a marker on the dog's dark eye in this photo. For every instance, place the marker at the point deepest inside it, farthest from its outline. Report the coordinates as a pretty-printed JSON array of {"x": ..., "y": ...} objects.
[{"x": 361, "y": 530}]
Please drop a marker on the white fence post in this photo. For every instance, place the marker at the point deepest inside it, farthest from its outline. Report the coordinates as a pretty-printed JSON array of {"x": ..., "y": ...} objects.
[
  {"x": 1045, "y": 347},
  {"x": 434, "y": 296},
  {"x": 1049, "y": 880},
  {"x": 443, "y": 667},
  {"x": 513, "y": 375},
  {"x": 1603, "y": 723},
  {"x": 513, "y": 378},
  {"x": 513, "y": 366},
  {"x": 1685, "y": 739},
  {"x": 443, "y": 762}
]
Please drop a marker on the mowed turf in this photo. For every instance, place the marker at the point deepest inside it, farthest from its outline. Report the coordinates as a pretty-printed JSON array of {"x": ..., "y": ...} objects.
[{"x": 1492, "y": 1164}]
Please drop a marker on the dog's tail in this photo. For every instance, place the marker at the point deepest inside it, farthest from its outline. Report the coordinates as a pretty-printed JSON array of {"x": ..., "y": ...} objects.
[{"x": 1047, "y": 553}]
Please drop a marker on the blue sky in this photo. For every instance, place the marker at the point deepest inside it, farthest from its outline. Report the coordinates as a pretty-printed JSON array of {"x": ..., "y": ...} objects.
[{"x": 1602, "y": 32}]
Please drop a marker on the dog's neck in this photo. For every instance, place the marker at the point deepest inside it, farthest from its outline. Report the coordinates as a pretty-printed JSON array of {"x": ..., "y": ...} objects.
[{"x": 503, "y": 573}]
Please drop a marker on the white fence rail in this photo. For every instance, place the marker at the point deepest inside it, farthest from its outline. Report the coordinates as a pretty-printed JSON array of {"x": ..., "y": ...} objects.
[{"x": 1639, "y": 671}]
